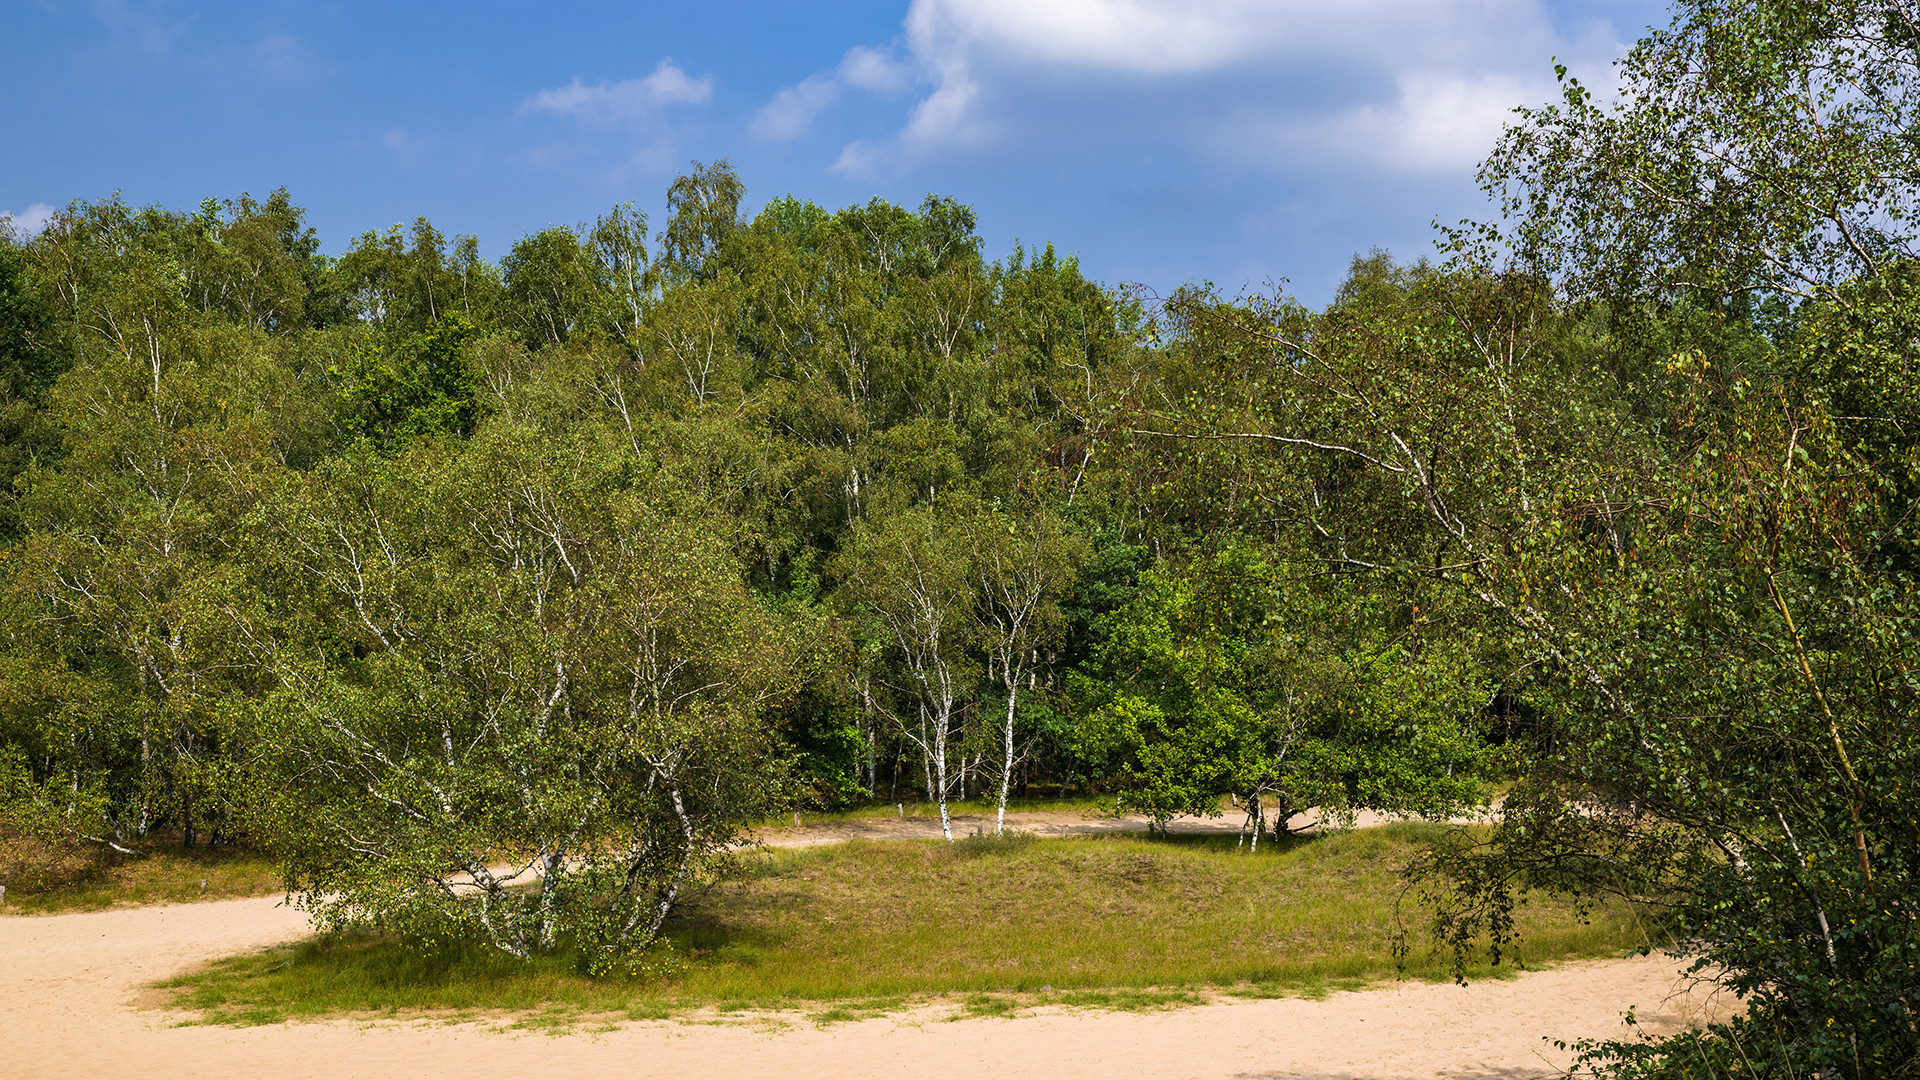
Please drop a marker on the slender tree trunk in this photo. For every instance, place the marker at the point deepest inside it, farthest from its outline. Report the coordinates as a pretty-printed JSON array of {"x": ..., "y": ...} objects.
[
  {"x": 926, "y": 763},
  {"x": 873, "y": 747},
  {"x": 940, "y": 767},
  {"x": 1006, "y": 759},
  {"x": 672, "y": 891}
]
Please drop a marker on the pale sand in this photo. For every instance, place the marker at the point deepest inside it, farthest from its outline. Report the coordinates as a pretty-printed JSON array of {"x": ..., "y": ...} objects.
[
  {"x": 70, "y": 990},
  {"x": 921, "y": 821}
]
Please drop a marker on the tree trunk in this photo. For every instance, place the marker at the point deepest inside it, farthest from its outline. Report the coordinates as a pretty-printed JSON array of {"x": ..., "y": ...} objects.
[
  {"x": 926, "y": 761},
  {"x": 940, "y": 765},
  {"x": 1006, "y": 761}
]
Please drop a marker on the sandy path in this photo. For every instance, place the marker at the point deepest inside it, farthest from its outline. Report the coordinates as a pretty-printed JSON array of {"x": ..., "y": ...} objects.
[
  {"x": 69, "y": 984},
  {"x": 924, "y": 824}
]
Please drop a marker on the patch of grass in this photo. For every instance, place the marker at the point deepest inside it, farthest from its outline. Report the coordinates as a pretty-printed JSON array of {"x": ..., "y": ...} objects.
[
  {"x": 551, "y": 1020},
  {"x": 999, "y": 1005},
  {"x": 42, "y": 880},
  {"x": 1261, "y": 991},
  {"x": 373, "y": 976},
  {"x": 649, "y": 1010},
  {"x": 856, "y": 1009},
  {"x": 1321, "y": 990},
  {"x": 1128, "y": 999},
  {"x": 995, "y": 925}
]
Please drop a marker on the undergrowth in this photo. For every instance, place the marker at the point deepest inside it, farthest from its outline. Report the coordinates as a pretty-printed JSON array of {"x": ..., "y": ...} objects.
[{"x": 44, "y": 880}]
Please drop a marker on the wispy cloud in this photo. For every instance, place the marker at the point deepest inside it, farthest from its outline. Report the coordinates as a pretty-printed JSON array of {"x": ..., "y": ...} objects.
[
  {"x": 792, "y": 111},
  {"x": 279, "y": 56},
  {"x": 875, "y": 70},
  {"x": 859, "y": 160},
  {"x": 28, "y": 222},
  {"x": 1443, "y": 121},
  {"x": 140, "y": 26},
  {"x": 948, "y": 116},
  {"x": 629, "y": 103}
]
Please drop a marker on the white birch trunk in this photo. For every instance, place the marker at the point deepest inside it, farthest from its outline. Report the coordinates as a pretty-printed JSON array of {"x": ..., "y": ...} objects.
[{"x": 1006, "y": 760}]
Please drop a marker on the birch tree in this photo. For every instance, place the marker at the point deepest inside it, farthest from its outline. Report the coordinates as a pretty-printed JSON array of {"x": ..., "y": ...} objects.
[
  {"x": 552, "y": 686},
  {"x": 911, "y": 574},
  {"x": 1022, "y": 565}
]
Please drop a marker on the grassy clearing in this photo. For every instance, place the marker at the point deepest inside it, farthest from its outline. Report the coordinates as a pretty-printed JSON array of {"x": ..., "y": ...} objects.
[
  {"x": 42, "y": 880},
  {"x": 980, "y": 928}
]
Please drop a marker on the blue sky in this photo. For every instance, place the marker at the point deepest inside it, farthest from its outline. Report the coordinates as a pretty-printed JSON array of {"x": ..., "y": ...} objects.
[{"x": 1236, "y": 141}]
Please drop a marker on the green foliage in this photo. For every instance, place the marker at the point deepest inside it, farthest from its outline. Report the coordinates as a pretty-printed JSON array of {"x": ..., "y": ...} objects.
[
  {"x": 408, "y": 386},
  {"x": 31, "y": 358},
  {"x": 1753, "y": 146},
  {"x": 550, "y": 674},
  {"x": 1729, "y": 736},
  {"x": 1215, "y": 682},
  {"x": 257, "y": 265},
  {"x": 705, "y": 204},
  {"x": 554, "y": 288},
  {"x": 499, "y": 602},
  {"x": 408, "y": 282}
]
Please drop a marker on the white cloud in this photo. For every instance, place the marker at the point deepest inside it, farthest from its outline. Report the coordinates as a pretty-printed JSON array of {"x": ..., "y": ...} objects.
[
  {"x": 1437, "y": 122},
  {"x": 874, "y": 70},
  {"x": 947, "y": 116},
  {"x": 1144, "y": 36},
  {"x": 631, "y": 102},
  {"x": 859, "y": 160},
  {"x": 28, "y": 222},
  {"x": 1409, "y": 85},
  {"x": 1177, "y": 37},
  {"x": 1444, "y": 121},
  {"x": 791, "y": 112}
]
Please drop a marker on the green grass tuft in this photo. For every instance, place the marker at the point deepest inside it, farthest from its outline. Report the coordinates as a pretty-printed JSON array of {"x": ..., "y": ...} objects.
[
  {"x": 1130, "y": 999},
  {"x": 857, "y": 1009}
]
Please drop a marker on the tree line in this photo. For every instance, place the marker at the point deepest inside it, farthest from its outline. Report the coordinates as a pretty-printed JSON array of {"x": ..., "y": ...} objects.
[
  {"x": 499, "y": 600},
  {"x": 412, "y": 567}
]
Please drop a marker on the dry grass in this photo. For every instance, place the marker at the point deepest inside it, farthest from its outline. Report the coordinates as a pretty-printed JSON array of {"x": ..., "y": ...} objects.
[
  {"x": 46, "y": 880},
  {"x": 988, "y": 926},
  {"x": 881, "y": 918}
]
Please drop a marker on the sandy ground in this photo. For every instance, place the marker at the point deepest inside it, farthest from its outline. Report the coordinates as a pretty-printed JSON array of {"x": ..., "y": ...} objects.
[
  {"x": 920, "y": 821},
  {"x": 71, "y": 989}
]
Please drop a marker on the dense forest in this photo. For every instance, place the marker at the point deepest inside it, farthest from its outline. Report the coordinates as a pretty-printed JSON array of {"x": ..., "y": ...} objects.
[{"x": 409, "y": 566}]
